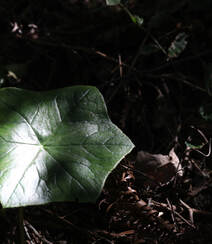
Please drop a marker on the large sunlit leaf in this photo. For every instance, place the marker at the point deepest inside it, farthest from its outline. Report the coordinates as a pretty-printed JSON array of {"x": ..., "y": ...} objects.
[{"x": 55, "y": 146}]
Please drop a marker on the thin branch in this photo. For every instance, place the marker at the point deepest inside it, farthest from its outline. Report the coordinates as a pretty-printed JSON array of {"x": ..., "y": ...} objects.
[
  {"x": 37, "y": 233},
  {"x": 172, "y": 214},
  {"x": 176, "y": 213},
  {"x": 176, "y": 62},
  {"x": 175, "y": 77},
  {"x": 190, "y": 210},
  {"x": 194, "y": 210}
]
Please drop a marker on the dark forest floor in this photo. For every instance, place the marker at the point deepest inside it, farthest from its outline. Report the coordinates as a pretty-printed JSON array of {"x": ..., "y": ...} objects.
[{"x": 156, "y": 98}]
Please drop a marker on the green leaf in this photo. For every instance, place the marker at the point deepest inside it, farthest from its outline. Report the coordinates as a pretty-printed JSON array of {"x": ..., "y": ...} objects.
[
  {"x": 56, "y": 146},
  {"x": 206, "y": 111},
  {"x": 113, "y": 2},
  {"x": 178, "y": 45},
  {"x": 193, "y": 146},
  {"x": 137, "y": 20}
]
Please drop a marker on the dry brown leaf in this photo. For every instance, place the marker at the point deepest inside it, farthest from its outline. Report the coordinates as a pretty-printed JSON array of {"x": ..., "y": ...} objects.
[{"x": 160, "y": 168}]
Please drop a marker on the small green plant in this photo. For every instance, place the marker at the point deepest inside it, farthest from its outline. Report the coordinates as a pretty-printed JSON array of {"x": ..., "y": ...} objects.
[
  {"x": 56, "y": 146},
  {"x": 178, "y": 45},
  {"x": 134, "y": 18}
]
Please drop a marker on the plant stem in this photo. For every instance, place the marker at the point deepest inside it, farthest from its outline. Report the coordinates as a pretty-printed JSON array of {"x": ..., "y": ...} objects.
[{"x": 21, "y": 225}]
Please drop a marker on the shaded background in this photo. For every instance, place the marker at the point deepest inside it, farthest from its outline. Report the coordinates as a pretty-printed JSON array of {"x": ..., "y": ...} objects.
[{"x": 153, "y": 95}]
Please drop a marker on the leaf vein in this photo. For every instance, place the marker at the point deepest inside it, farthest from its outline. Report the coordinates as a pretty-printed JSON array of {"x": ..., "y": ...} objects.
[{"x": 19, "y": 181}]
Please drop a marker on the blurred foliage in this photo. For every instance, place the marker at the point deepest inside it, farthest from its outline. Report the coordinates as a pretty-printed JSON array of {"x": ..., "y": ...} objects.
[
  {"x": 206, "y": 111},
  {"x": 112, "y": 2}
]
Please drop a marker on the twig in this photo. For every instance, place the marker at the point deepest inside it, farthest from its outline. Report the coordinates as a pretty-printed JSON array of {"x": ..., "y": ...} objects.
[
  {"x": 206, "y": 141},
  {"x": 37, "y": 233},
  {"x": 78, "y": 48},
  {"x": 197, "y": 211},
  {"x": 201, "y": 133},
  {"x": 172, "y": 214},
  {"x": 170, "y": 76},
  {"x": 112, "y": 234},
  {"x": 179, "y": 61},
  {"x": 158, "y": 44},
  {"x": 27, "y": 234},
  {"x": 143, "y": 209},
  {"x": 176, "y": 213},
  {"x": 190, "y": 210},
  {"x": 104, "y": 55},
  {"x": 120, "y": 67}
]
